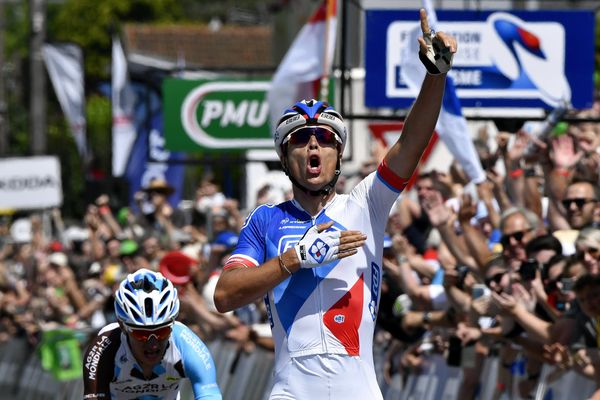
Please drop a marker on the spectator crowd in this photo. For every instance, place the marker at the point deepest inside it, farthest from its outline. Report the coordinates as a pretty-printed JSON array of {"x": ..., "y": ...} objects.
[{"x": 509, "y": 267}]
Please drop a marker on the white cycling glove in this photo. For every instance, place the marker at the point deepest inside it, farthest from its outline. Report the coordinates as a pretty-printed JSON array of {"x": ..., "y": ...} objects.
[
  {"x": 316, "y": 249},
  {"x": 438, "y": 59}
]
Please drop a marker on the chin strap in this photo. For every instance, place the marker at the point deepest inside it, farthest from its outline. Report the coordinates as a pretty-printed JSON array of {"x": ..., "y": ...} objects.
[{"x": 325, "y": 190}]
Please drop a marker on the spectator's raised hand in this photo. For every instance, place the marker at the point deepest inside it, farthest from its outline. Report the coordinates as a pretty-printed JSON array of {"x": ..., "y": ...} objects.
[
  {"x": 496, "y": 179},
  {"x": 563, "y": 154},
  {"x": 558, "y": 354},
  {"x": 436, "y": 210},
  {"x": 467, "y": 334},
  {"x": 517, "y": 150},
  {"x": 485, "y": 191},
  {"x": 523, "y": 296},
  {"x": 451, "y": 277},
  {"x": 402, "y": 246},
  {"x": 506, "y": 302},
  {"x": 502, "y": 139},
  {"x": 467, "y": 210}
]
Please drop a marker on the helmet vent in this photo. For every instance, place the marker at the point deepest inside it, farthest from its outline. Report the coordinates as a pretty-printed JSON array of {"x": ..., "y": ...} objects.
[
  {"x": 148, "y": 307},
  {"x": 164, "y": 297},
  {"x": 130, "y": 298}
]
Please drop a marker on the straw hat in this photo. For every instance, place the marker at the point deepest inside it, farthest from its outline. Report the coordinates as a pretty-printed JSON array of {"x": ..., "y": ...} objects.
[{"x": 160, "y": 186}]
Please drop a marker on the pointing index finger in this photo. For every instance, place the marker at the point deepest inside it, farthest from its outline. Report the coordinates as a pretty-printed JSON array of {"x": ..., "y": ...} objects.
[{"x": 424, "y": 22}]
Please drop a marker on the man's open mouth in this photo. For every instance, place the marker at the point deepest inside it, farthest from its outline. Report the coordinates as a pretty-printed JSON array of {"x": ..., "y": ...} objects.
[{"x": 314, "y": 164}]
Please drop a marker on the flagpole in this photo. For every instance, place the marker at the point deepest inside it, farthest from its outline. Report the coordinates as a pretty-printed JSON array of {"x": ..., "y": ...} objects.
[{"x": 324, "y": 86}]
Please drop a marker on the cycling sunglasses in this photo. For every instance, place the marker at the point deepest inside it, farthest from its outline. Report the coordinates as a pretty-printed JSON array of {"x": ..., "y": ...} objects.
[
  {"x": 579, "y": 202},
  {"x": 518, "y": 236},
  {"x": 302, "y": 136},
  {"x": 143, "y": 335}
]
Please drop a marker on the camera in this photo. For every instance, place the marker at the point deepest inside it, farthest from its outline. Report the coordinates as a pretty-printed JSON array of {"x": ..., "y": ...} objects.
[
  {"x": 479, "y": 290},
  {"x": 567, "y": 284},
  {"x": 528, "y": 269},
  {"x": 454, "y": 356}
]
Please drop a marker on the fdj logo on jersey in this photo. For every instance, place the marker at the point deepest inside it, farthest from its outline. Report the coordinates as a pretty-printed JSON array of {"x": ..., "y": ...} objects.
[
  {"x": 318, "y": 250},
  {"x": 375, "y": 283}
]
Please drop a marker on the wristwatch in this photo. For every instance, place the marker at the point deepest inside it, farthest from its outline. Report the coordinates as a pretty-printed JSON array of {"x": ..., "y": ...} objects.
[{"x": 426, "y": 317}]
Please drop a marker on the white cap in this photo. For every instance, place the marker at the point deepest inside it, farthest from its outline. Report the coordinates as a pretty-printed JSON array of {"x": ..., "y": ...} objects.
[{"x": 59, "y": 259}]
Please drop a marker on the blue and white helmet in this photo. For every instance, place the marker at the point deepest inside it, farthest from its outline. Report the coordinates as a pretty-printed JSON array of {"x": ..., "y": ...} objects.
[
  {"x": 146, "y": 298},
  {"x": 309, "y": 113}
]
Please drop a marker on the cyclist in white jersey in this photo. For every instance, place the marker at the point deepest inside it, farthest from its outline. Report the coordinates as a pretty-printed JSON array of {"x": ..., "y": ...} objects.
[
  {"x": 317, "y": 258},
  {"x": 147, "y": 353}
]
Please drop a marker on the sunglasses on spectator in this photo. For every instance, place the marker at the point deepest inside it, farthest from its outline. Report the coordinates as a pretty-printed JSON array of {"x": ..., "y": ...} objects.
[
  {"x": 496, "y": 278},
  {"x": 143, "y": 335},
  {"x": 592, "y": 251},
  {"x": 518, "y": 236},
  {"x": 579, "y": 202},
  {"x": 302, "y": 136}
]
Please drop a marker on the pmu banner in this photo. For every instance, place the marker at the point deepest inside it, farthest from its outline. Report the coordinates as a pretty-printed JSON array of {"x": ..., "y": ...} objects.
[
  {"x": 504, "y": 59},
  {"x": 216, "y": 115}
]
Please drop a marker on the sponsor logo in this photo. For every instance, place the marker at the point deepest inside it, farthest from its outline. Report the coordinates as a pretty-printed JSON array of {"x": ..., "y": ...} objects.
[
  {"x": 198, "y": 347},
  {"x": 91, "y": 361},
  {"x": 150, "y": 388},
  {"x": 318, "y": 250},
  {"x": 375, "y": 284},
  {"x": 172, "y": 378},
  {"x": 202, "y": 117},
  {"x": 28, "y": 183},
  {"x": 340, "y": 318}
]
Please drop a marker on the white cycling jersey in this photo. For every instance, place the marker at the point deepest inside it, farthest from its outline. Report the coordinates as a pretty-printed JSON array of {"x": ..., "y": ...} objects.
[
  {"x": 111, "y": 371},
  {"x": 331, "y": 309}
]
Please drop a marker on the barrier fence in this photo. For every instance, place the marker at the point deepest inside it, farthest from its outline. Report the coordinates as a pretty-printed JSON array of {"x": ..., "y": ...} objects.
[{"x": 26, "y": 375}]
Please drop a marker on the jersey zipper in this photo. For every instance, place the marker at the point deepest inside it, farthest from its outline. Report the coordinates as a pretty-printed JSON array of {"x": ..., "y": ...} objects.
[{"x": 320, "y": 303}]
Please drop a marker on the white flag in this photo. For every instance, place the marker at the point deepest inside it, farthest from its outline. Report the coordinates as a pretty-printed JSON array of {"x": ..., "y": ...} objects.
[
  {"x": 451, "y": 125},
  {"x": 64, "y": 63},
  {"x": 123, "y": 102},
  {"x": 306, "y": 63}
]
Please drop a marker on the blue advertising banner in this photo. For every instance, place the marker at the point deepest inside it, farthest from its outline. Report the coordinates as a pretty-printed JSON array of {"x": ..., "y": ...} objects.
[
  {"x": 149, "y": 159},
  {"x": 505, "y": 59}
]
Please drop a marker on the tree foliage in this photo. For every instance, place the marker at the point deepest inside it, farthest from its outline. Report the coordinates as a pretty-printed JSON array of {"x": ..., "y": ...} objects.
[{"x": 90, "y": 24}]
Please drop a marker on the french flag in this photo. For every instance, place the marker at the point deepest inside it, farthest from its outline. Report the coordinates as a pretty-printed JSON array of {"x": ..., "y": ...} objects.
[
  {"x": 306, "y": 66},
  {"x": 451, "y": 125}
]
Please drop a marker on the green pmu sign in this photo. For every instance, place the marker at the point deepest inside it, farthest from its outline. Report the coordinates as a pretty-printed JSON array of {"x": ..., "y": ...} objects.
[{"x": 216, "y": 115}]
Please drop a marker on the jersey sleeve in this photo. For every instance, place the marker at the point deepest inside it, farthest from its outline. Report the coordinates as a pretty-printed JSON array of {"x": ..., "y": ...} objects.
[
  {"x": 99, "y": 364},
  {"x": 198, "y": 363},
  {"x": 250, "y": 250},
  {"x": 380, "y": 189}
]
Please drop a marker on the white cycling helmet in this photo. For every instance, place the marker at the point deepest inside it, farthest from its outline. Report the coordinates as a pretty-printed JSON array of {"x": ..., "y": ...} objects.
[
  {"x": 309, "y": 113},
  {"x": 146, "y": 298}
]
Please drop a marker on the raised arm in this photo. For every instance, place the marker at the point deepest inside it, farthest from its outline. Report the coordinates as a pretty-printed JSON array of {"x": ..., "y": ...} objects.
[{"x": 404, "y": 155}]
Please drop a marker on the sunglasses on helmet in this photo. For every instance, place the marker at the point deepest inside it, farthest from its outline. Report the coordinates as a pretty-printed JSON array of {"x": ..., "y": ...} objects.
[
  {"x": 144, "y": 335},
  {"x": 302, "y": 136}
]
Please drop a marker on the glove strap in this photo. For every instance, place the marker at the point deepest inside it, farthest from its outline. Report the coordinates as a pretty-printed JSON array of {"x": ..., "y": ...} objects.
[{"x": 431, "y": 67}]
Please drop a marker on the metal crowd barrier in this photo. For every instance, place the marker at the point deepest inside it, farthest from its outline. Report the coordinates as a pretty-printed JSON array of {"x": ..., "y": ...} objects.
[{"x": 248, "y": 376}]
